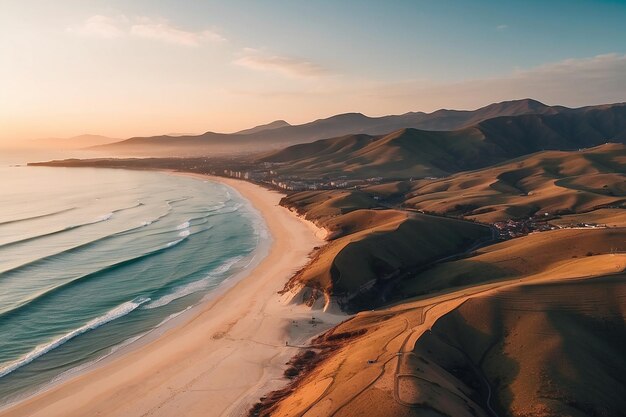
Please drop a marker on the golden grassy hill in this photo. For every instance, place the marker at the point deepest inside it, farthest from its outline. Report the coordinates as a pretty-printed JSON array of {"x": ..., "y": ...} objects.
[
  {"x": 606, "y": 217},
  {"x": 514, "y": 259},
  {"x": 376, "y": 253},
  {"x": 401, "y": 154},
  {"x": 552, "y": 181},
  {"x": 374, "y": 250},
  {"x": 548, "y": 344},
  {"x": 320, "y": 205},
  {"x": 545, "y": 350},
  {"x": 412, "y": 153}
]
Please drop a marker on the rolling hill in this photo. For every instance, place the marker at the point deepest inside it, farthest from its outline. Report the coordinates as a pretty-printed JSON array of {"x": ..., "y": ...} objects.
[
  {"x": 545, "y": 349},
  {"x": 551, "y": 182},
  {"x": 408, "y": 153},
  {"x": 371, "y": 249},
  {"x": 544, "y": 340},
  {"x": 531, "y": 326},
  {"x": 274, "y": 136},
  {"x": 529, "y": 255},
  {"x": 263, "y": 128}
]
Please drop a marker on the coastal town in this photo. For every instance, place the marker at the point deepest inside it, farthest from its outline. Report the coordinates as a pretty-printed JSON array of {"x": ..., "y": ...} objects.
[{"x": 271, "y": 175}]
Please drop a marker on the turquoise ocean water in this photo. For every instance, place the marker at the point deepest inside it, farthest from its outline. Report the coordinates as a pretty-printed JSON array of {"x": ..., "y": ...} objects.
[{"x": 92, "y": 258}]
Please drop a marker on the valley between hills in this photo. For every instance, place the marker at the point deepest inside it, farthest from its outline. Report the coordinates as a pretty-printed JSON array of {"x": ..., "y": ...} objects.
[{"x": 482, "y": 262}]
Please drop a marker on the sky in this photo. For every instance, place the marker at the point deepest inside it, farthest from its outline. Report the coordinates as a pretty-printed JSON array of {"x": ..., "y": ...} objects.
[{"x": 146, "y": 67}]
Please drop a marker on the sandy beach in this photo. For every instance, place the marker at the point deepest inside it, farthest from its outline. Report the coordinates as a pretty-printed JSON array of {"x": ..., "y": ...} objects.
[{"x": 219, "y": 357}]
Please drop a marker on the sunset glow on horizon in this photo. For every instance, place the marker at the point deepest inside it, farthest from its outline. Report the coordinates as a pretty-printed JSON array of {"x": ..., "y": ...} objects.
[{"x": 124, "y": 69}]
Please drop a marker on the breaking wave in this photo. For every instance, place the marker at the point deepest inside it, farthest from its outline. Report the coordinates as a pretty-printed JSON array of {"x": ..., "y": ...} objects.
[{"x": 117, "y": 312}]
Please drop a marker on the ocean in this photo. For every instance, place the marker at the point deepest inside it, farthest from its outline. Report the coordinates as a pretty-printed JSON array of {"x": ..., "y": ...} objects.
[{"x": 91, "y": 259}]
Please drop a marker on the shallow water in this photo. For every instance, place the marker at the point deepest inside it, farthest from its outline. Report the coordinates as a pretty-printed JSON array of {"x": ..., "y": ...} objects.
[{"x": 90, "y": 258}]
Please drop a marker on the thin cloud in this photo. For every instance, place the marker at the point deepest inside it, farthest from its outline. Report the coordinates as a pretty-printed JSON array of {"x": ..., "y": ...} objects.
[
  {"x": 161, "y": 30},
  {"x": 99, "y": 26},
  {"x": 502, "y": 27},
  {"x": 606, "y": 65},
  {"x": 572, "y": 82},
  {"x": 289, "y": 66}
]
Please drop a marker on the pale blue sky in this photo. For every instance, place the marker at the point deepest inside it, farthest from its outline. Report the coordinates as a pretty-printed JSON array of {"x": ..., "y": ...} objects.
[{"x": 126, "y": 68}]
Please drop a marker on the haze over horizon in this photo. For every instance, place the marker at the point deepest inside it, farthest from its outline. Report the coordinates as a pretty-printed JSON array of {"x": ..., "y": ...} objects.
[{"x": 148, "y": 68}]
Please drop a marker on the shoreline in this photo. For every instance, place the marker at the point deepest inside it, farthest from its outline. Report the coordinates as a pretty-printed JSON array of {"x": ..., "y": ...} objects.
[
  {"x": 215, "y": 358},
  {"x": 179, "y": 318}
]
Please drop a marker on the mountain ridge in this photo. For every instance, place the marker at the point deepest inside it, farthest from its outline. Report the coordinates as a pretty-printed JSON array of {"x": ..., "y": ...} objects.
[
  {"x": 264, "y": 127},
  {"x": 333, "y": 126},
  {"x": 410, "y": 152}
]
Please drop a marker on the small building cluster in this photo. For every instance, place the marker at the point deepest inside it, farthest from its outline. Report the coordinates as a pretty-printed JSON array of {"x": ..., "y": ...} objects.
[
  {"x": 515, "y": 228},
  {"x": 263, "y": 174}
]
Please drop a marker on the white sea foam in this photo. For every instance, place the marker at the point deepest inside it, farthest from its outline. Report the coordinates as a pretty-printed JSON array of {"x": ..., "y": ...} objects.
[
  {"x": 150, "y": 221},
  {"x": 225, "y": 267},
  {"x": 216, "y": 207},
  {"x": 231, "y": 209},
  {"x": 193, "y": 287},
  {"x": 183, "y": 234},
  {"x": 174, "y": 243},
  {"x": 117, "y": 312},
  {"x": 182, "y": 226},
  {"x": 180, "y": 292},
  {"x": 172, "y": 316},
  {"x": 260, "y": 230},
  {"x": 105, "y": 217},
  {"x": 102, "y": 218}
]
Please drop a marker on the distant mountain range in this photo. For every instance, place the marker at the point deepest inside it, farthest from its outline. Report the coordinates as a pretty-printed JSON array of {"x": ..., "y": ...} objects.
[
  {"x": 280, "y": 133},
  {"x": 411, "y": 152},
  {"x": 264, "y": 128},
  {"x": 75, "y": 142}
]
